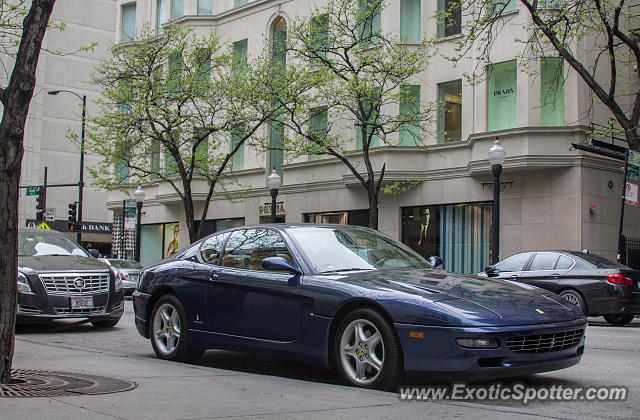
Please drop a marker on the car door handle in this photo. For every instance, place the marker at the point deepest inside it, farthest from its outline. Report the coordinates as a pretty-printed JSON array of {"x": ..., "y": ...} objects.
[
  {"x": 214, "y": 276},
  {"x": 513, "y": 276},
  {"x": 555, "y": 275}
]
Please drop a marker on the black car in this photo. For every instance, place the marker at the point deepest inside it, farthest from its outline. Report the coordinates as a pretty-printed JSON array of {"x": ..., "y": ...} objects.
[
  {"x": 58, "y": 279},
  {"x": 599, "y": 286}
]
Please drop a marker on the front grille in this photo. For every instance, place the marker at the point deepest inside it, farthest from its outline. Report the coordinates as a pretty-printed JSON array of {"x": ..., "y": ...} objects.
[
  {"x": 544, "y": 342},
  {"x": 69, "y": 311},
  {"x": 75, "y": 283}
]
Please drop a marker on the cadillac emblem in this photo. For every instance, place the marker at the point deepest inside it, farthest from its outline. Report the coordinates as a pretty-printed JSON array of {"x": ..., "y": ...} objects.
[{"x": 79, "y": 282}]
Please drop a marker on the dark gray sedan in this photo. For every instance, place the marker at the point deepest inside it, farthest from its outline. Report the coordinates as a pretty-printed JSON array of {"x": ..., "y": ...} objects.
[
  {"x": 58, "y": 279},
  {"x": 599, "y": 286}
]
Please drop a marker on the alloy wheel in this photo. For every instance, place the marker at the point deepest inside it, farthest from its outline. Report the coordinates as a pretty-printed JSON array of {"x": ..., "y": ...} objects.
[
  {"x": 362, "y": 351},
  {"x": 166, "y": 328}
]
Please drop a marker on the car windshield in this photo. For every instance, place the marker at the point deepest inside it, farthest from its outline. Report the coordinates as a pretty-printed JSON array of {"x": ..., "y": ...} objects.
[
  {"x": 125, "y": 264},
  {"x": 35, "y": 244},
  {"x": 600, "y": 262},
  {"x": 338, "y": 249}
]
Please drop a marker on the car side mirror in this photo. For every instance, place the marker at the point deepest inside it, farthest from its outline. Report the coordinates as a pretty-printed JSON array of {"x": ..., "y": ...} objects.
[
  {"x": 279, "y": 264},
  {"x": 94, "y": 252},
  {"x": 491, "y": 271},
  {"x": 435, "y": 261}
]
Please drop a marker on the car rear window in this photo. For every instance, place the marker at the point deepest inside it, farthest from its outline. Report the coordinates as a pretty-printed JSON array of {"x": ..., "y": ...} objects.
[
  {"x": 601, "y": 262},
  {"x": 125, "y": 264}
]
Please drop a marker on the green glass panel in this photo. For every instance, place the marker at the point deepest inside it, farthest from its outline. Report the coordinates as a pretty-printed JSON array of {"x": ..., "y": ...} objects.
[
  {"x": 237, "y": 162},
  {"x": 122, "y": 172},
  {"x": 449, "y": 18},
  {"x": 320, "y": 34},
  {"x": 552, "y": 91},
  {"x": 410, "y": 108},
  {"x": 154, "y": 160},
  {"x": 240, "y": 2},
  {"x": 372, "y": 24},
  {"x": 239, "y": 57},
  {"x": 128, "y": 22},
  {"x": 177, "y": 8},
  {"x": 502, "y": 6},
  {"x": 205, "y": 7},
  {"x": 410, "y": 20},
  {"x": 319, "y": 124},
  {"x": 502, "y": 96},
  {"x": 280, "y": 42},
  {"x": 161, "y": 15}
]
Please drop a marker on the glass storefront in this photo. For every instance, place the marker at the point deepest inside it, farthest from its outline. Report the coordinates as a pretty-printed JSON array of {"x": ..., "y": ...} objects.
[
  {"x": 460, "y": 234},
  {"x": 502, "y": 95}
]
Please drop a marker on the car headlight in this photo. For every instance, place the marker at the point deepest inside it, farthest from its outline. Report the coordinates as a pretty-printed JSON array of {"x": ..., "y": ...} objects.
[
  {"x": 478, "y": 343},
  {"x": 23, "y": 283},
  {"x": 119, "y": 278}
]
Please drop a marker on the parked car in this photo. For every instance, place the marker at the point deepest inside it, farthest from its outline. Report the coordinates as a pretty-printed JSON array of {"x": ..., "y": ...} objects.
[
  {"x": 127, "y": 270},
  {"x": 353, "y": 298},
  {"x": 58, "y": 279},
  {"x": 598, "y": 286}
]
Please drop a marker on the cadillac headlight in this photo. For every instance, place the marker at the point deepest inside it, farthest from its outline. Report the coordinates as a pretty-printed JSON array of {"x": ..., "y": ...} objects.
[{"x": 23, "y": 284}]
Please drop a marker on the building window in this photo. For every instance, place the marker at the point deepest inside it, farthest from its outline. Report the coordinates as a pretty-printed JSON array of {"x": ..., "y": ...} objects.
[
  {"x": 128, "y": 30},
  {"x": 449, "y": 18},
  {"x": 177, "y": 8},
  {"x": 240, "y": 2},
  {"x": 502, "y": 96},
  {"x": 552, "y": 91},
  {"x": 276, "y": 154},
  {"x": 450, "y": 111},
  {"x": 410, "y": 18},
  {"x": 161, "y": 15},
  {"x": 497, "y": 7},
  {"x": 239, "y": 57},
  {"x": 459, "y": 234},
  {"x": 154, "y": 159},
  {"x": 410, "y": 108},
  {"x": 372, "y": 25},
  {"x": 371, "y": 106},
  {"x": 122, "y": 172},
  {"x": 201, "y": 161},
  {"x": 318, "y": 125},
  {"x": 320, "y": 34},
  {"x": 351, "y": 217},
  {"x": 205, "y": 7},
  {"x": 237, "y": 162}
]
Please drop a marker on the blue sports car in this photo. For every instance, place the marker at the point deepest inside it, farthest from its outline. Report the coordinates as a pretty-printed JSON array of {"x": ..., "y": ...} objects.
[{"x": 354, "y": 299}]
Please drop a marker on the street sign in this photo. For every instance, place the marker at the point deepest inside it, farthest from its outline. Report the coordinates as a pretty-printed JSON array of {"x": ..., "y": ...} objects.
[
  {"x": 130, "y": 208},
  {"x": 43, "y": 225},
  {"x": 50, "y": 215},
  {"x": 129, "y": 223},
  {"x": 32, "y": 191},
  {"x": 631, "y": 194},
  {"x": 633, "y": 168}
]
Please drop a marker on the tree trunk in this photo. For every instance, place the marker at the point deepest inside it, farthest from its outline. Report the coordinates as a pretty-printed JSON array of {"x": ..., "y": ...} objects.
[
  {"x": 373, "y": 205},
  {"x": 16, "y": 98}
]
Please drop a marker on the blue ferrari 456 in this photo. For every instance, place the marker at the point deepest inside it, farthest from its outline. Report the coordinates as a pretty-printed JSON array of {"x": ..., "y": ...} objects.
[{"x": 352, "y": 299}]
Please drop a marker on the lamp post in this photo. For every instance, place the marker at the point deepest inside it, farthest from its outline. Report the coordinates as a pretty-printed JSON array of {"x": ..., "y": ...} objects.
[
  {"x": 496, "y": 157},
  {"x": 139, "y": 196},
  {"x": 273, "y": 182},
  {"x": 83, "y": 98}
]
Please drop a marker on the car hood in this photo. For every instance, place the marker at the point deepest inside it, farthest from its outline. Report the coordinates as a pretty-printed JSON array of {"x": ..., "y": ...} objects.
[
  {"x": 487, "y": 299},
  {"x": 48, "y": 263}
]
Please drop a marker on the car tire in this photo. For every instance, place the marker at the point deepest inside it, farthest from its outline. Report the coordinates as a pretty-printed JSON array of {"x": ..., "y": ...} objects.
[
  {"x": 367, "y": 352},
  {"x": 109, "y": 323},
  {"x": 169, "y": 333},
  {"x": 619, "y": 320},
  {"x": 576, "y": 298}
]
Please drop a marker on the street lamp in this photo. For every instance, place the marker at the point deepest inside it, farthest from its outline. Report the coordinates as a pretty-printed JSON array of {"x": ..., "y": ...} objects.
[
  {"x": 496, "y": 157},
  {"x": 83, "y": 98},
  {"x": 273, "y": 182},
  {"x": 139, "y": 196}
]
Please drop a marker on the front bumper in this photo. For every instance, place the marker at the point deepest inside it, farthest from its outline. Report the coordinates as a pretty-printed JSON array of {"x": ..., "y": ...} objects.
[
  {"x": 140, "y": 304},
  {"x": 33, "y": 308},
  {"x": 433, "y": 350}
]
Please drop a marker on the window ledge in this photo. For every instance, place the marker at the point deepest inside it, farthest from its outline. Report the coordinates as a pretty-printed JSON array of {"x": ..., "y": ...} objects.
[
  {"x": 449, "y": 38},
  {"x": 509, "y": 13}
]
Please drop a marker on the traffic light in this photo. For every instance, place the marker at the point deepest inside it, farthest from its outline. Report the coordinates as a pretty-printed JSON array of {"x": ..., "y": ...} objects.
[
  {"x": 73, "y": 209},
  {"x": 41, "y": 203}
]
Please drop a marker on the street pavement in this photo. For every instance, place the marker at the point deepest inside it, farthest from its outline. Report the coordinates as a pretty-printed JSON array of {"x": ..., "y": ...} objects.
[{"x": 227, "y": 384}]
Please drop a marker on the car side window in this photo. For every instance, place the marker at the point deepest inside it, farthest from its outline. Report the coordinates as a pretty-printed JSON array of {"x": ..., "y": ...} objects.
[
  {"x": 211, "y": 249},
  {"x": 564, "y": 263},
  {"x": 513, "y": 263},
  {"x": 248, "y": 247},
  {"x": 543, "y": 261}
]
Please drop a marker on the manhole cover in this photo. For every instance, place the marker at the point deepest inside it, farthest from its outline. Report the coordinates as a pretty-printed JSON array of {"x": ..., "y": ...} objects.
[{"x": 41, "y": 383}]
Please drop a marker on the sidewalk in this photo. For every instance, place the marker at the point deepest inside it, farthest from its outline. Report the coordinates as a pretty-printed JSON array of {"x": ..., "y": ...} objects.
[{"x": 168, "y": 390}]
